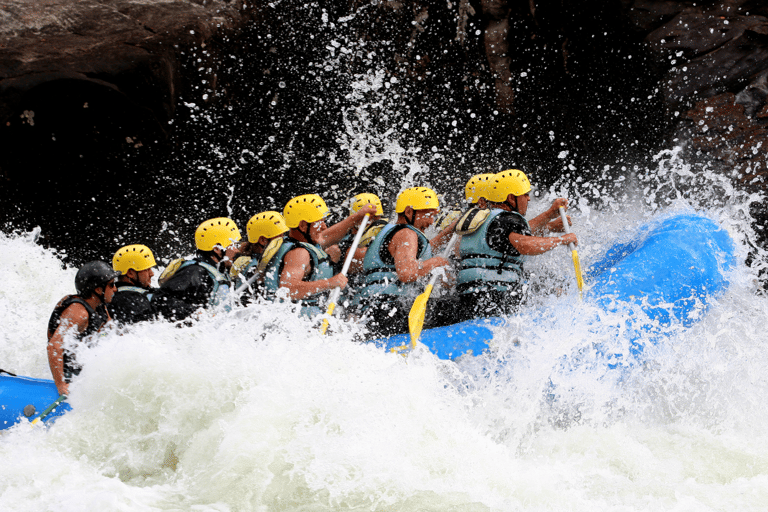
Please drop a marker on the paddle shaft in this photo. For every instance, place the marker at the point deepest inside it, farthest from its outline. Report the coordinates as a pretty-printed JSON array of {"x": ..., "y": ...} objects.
[
  {"x": 572, "y": 247},
  {"x": 445, "y": 254},
  {"x": 347, "y": 262},
  {"x": 48, "y": 409}
]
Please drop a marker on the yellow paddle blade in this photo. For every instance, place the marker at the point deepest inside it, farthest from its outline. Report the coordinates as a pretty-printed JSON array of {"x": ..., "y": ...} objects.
[
  {"x": 577, "y": 268},
  {"x": 417, "y": 314},
  {"x": 324, "y": 327}
]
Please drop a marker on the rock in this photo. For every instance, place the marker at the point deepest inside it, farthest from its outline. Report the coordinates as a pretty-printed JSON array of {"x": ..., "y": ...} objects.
[
  {"x": 709, "y": 54},
  {"x": 88, "y": 90}
]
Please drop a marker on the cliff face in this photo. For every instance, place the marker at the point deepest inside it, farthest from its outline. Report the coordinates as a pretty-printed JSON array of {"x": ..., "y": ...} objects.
[{"x": 119, "y": 118}]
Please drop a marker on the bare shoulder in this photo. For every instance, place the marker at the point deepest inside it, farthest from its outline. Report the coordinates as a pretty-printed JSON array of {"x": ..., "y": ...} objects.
[{"x": 75, "y": 314}]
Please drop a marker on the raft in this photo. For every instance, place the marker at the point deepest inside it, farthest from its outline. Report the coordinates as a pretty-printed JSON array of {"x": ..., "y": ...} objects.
[
  {"x": 25, "y": 397},
  {"x": 671, "y": 269}
]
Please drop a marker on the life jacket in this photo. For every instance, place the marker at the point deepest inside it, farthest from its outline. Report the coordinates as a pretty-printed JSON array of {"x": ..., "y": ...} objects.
[
  {"x": 136, "y": 289},
  {"x": 96, "y": 320},
  {"x": 322, "y": 268},
  {"x": 483, "y": 268},
  {"x": 221, "y": 283},
  {"x": 379, "y": 272},
  {"x": 246, "y": 266}
]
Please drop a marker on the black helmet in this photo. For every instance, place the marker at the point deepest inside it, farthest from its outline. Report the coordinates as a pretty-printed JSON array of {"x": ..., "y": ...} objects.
[{"x": 92, "y": 275}]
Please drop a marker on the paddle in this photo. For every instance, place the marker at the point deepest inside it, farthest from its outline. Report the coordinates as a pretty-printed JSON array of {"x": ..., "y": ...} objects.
[
  {"x": 574, "y": 254},
  {"x": 337, "y": 291},
  {"x": 419, "y": 308},
  {"x": 48, "y": 409}
]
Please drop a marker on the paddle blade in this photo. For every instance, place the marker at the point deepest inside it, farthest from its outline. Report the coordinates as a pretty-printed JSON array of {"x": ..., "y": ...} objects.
[
  {"x": 577, "y": 268},
  {"x": 329, "y": 312},
  {"x": 417, "y": 314}
]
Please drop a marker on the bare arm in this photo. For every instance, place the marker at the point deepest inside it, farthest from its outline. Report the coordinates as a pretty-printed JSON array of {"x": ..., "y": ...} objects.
[
  {"x": 541, "y": 223},
  {"x": 443, "y": 236},
  {"x": 296, "y": 267},
  {"x": 74, "y": 317},
  {"x": 535, "y": 245},
  {"x": 335, "y": 233},
  {"x": 357, "y": 260},
  {"x": 404, "y": 249}
]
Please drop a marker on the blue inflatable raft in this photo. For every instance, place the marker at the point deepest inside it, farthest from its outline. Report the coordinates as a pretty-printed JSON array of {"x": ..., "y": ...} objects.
[
  {"x": 671, "y": 268},
  {"x": 25, "y": 397}
]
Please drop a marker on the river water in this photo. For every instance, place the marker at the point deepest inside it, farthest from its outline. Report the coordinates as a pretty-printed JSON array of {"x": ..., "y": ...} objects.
[{"x": 255, "y": 410}]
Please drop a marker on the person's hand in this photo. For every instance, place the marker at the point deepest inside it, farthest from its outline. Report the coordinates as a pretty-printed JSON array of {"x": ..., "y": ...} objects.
[
  {"x": 570, "y": 238},
  {"x": 368, "y": 209},
  {"x": 556, "y": 225},
  {"x": 439, "y": 261},
  {"x": 338, "y": 281},
  {"x": 558, "y": 203},
  {"x": 334, "y": 252}
]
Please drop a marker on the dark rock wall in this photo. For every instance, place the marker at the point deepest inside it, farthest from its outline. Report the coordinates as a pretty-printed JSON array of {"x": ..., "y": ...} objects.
[{"x": 129, "y": 122}]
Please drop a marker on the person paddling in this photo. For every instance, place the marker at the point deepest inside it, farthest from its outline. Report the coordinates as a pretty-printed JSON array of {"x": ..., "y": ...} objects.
[
  {"x": 131, "y": 302},
  {"x": 301, "y": 266},
  {"x": 82, "y": 316},
  {"x": 395, "y": 262},
  {"x": 490, "y": 280}
]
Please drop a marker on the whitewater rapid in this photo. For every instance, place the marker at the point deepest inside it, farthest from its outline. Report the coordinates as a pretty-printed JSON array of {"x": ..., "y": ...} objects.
[{"x": 254, "y": 410}]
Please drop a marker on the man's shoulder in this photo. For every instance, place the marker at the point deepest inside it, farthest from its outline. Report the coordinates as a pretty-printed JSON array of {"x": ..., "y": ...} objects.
[
  {"x": 75, "y": 311},
  {"x": 401, "y": 234},
  {"x": 509, "y": 220}
]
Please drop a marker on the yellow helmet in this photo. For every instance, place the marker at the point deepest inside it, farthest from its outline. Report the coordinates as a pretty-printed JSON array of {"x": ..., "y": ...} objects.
[
  {"x": 267, "y": 224},
  {"x": 309, "y": 207},
  {"x": 477, "y": 187},
  {"x": 418, "y": 198},
  {"x": 511, "y": 181},
  {"x": 219, "y": 231},
  {"x": 361, "y": 200},
  {"x": 137, "y": 257}
]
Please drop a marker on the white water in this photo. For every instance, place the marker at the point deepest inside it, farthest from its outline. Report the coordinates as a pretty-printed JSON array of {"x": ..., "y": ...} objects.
[{"x": 254, "y": 410}]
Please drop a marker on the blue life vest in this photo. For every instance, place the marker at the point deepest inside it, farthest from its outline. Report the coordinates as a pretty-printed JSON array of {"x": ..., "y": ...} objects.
[
  {"x": 322, "y": 268},
  {"x": 380, "y": 274},
  {"x": 483, "y": 268},
  {"x": 221, "y": 283}
]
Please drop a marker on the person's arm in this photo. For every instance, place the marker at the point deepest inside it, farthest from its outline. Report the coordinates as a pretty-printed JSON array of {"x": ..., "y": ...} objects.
[
  {"x": 541, "y": 223},
  {"x": 404, "y": 249},
  {"x": 535, "y": 245},
  {"x": 357, "y": 260},
  {"x": 74, "y": 317},
  {"x": 443, "y": 236},
  {"x": 296, "y": 266},
  {"x": 335, "y": 233}
]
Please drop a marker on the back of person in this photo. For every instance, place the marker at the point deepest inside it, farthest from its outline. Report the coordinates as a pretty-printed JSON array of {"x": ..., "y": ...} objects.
[
  {"x": 132, "y": 300},
  {"x": 202, "y": 282},
  {"x": 132, "y": 304},
  {"x": 490, "y": 277},
  {"x": 194, "y": 285}
]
